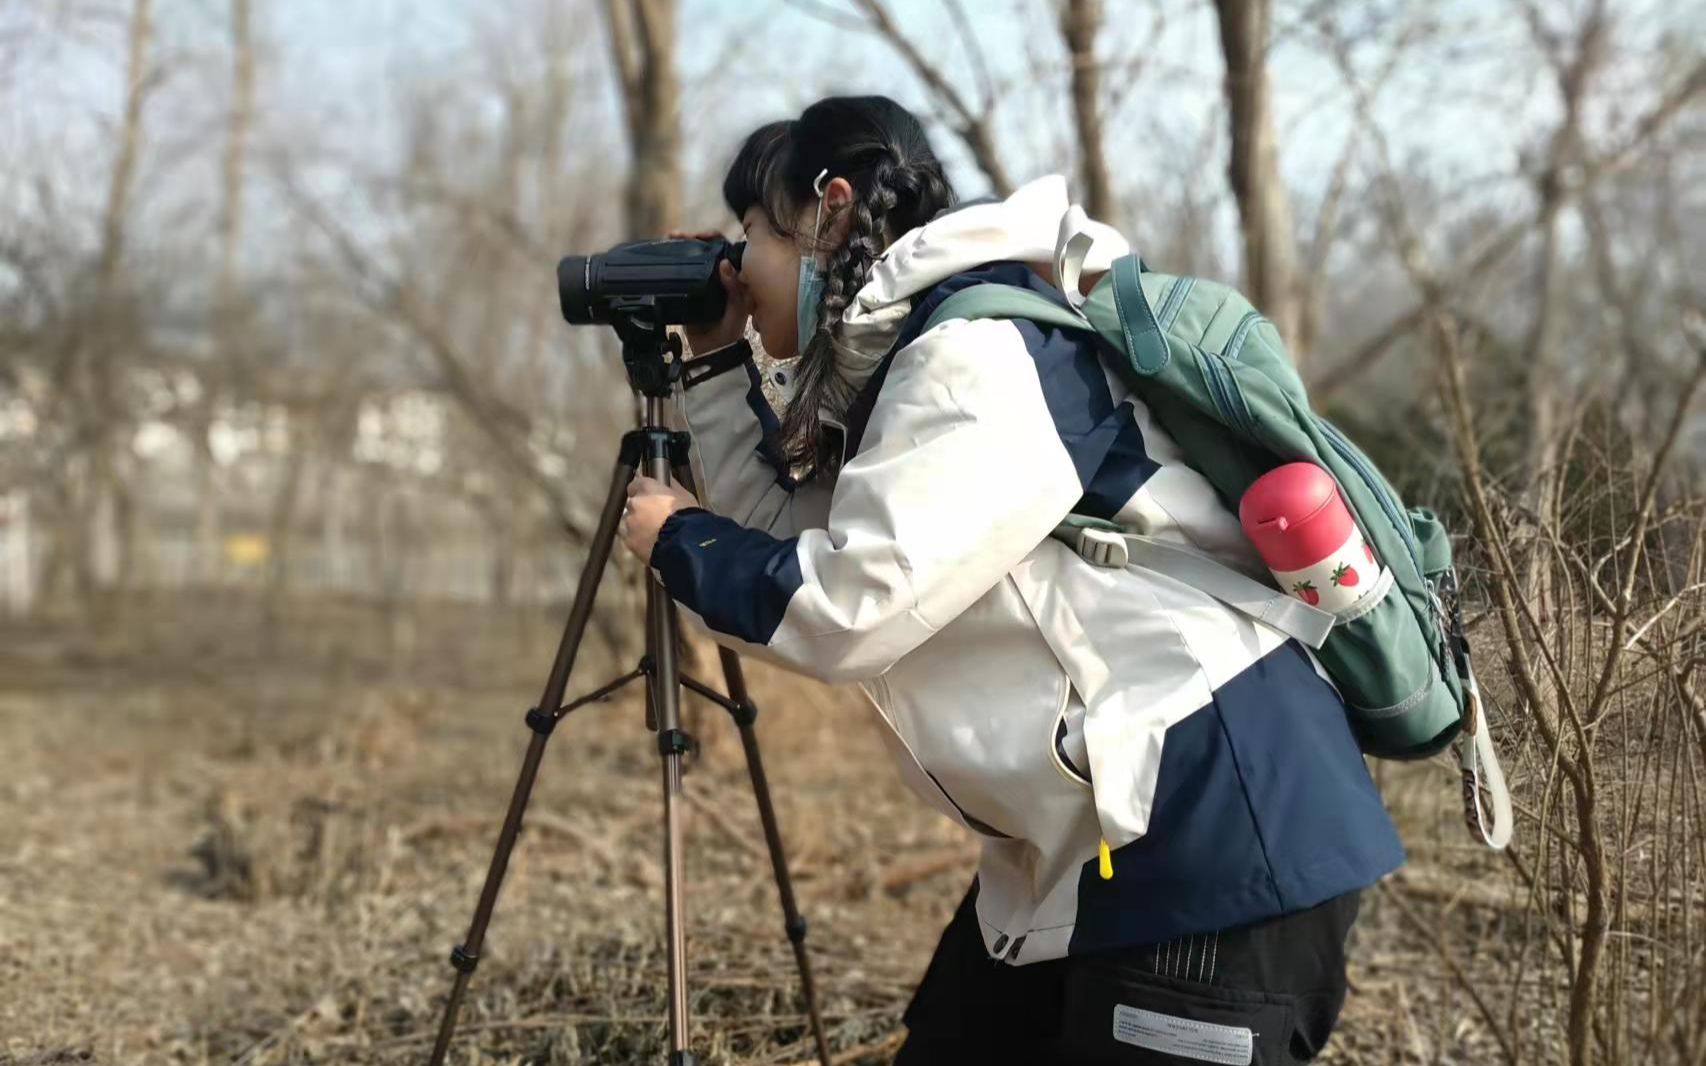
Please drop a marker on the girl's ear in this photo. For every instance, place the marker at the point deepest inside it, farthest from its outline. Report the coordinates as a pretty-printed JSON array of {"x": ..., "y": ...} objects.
[{"x": 837, "y": 198}]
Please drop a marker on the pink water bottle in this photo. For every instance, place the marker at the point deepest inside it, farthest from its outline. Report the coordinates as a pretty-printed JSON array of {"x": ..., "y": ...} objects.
[{"x": 1302, "y": 529}]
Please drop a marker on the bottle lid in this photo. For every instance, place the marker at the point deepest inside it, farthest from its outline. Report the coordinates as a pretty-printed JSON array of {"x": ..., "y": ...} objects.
[{"x": 1294, "y": 516}]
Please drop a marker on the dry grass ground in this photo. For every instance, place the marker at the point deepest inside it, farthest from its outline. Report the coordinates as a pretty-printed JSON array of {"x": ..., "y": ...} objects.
[{"x": 220, "y": 848}]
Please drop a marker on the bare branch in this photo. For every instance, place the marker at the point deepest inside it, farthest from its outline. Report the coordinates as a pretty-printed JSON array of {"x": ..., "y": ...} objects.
[
  {"x": 1507, "y": 239},
  {"x": 972, "y": 126},
  {"x": 974, "y": 51},
  {"x": 391, "y": 300},
  {"x": 832, "y": 15}
]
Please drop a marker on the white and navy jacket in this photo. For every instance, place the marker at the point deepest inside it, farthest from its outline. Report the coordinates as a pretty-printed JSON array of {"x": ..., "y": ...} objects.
[{"x": 1043, "y": 702}]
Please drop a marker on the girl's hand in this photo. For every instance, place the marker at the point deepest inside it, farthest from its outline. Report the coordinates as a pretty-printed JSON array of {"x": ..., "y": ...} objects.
[
  {"x": 709, "y": 336},
  {"x": 649, "y": 503}
]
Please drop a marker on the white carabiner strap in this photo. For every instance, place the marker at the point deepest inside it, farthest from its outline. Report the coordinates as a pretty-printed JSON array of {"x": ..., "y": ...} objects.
[{"x": 1478, "y": 762}]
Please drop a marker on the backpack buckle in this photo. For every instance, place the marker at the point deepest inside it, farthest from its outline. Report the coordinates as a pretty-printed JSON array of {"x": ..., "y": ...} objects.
[{"x": 1102, "y": 547}]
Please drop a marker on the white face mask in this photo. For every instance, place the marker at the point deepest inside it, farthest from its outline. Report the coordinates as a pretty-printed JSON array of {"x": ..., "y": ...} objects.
[{"x": 812, "y": 280}]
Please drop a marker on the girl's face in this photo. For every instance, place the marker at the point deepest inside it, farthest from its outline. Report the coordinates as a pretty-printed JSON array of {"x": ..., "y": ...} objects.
[{"x": 770, "y": 266}]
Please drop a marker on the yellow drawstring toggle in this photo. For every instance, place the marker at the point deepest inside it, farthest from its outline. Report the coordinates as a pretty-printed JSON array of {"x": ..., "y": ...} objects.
[{"x": 1105, "y": 861}]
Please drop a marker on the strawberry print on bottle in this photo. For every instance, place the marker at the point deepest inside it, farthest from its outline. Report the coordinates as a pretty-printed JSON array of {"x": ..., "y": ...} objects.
[{"x": 1299, "y": 523}]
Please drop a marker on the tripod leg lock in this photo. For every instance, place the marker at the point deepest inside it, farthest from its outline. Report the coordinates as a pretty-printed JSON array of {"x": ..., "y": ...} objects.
[
  {"x": 675, "y": 742},
  {"x": 463, "y": 960},
  {"x": 680, "y": 448},
  {"x": 542, "y": 721},
  {"x": 796, "y": 930},
  {"x": 682, "y": 1058}
]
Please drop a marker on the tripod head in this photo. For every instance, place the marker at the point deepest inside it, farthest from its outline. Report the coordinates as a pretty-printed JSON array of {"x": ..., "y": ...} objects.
[{"x": 650, "y": 353}]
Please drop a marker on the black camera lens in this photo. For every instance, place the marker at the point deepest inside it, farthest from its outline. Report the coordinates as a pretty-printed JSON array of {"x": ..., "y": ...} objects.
[
  {"x": 574, "y": 289},
  {"x": 673, "y": 281}
]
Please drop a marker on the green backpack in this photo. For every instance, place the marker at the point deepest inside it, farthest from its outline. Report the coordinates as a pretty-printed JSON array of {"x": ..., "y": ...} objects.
[{"x": 1215, "y": 375}]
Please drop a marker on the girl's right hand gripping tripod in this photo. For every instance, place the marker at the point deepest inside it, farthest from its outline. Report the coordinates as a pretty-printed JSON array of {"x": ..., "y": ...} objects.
[{"x": 653, "y": 362}]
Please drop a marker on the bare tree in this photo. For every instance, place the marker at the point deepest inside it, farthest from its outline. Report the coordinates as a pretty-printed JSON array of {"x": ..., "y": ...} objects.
[
  {"x": 95, "y": 505},
  {"x": 1579, "y": 681},
  {"x": 227, "y": 312},
  {"x": 1264, "y": 208},
  {"x": 642, "y": 45},
  {"x": 237, "y": 131},
  {"x": 1573, "y": 63},
  {"x": 972, "y": 123},
  {"x": 1495, "y": 247},
  {"x": 1080, "y": 23}
]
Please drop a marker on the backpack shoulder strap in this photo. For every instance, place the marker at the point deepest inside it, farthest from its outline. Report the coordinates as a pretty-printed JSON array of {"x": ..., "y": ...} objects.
[
  {"x": 1102, "y": 546},
  {"x": 1145, "y": 344},
  {"x": 994, "y": 300}
]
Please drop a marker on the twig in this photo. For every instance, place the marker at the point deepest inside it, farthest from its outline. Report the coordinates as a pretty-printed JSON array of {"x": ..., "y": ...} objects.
[
  {"x": 726, "y": 827},
  {"x": 1457, "y": 973},
  {"x": 884, "y": 1047},
  {"x": 902, "y": 875}
]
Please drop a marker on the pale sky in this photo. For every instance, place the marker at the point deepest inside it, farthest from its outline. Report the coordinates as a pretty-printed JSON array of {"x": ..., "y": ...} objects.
[{"x": 1461, "y": 109}]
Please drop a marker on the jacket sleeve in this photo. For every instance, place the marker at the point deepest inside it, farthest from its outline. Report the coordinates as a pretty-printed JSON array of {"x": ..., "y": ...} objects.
[
  {"x": 960, "y": 475},
  {"x": 738, "y": 467}
]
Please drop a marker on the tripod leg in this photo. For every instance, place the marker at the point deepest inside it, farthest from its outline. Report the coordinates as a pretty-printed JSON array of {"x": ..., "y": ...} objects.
[
  {"x": 673, "y": 744},
  {"x": 792, "y": 920},
  {"x": 541, "y": 719}
]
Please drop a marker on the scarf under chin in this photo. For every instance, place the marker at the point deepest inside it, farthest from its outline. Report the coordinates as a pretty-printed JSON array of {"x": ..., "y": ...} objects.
[{"x": 865, "y": 338}]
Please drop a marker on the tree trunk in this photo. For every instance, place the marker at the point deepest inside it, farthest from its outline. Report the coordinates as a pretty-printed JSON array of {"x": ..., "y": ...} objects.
[
  {"x": 227, "y": 328},
  {"x": 396, "y": 546},
  {"x": 236, "y": 145},
  {"x": 1540, "y": 356},
  {"x": 103, "y": 500},
  {"x": 129, "y": 146},
  {"x": 1080, "y": 21},
  {"x": 642, "y": 41},
  {"x": 281, "y": 522},
  {"x": 205, "y": 566},
  {"x": 1264, "y": 210}
]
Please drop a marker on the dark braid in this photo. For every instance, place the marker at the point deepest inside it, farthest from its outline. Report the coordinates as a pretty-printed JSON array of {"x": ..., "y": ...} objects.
[
  {"x": 820, "y": 382},
  {"x": 898, "y": 185}
]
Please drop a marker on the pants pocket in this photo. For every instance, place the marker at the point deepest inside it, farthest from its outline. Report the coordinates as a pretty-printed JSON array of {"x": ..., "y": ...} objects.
[{"x": 1115, "y": 1015}]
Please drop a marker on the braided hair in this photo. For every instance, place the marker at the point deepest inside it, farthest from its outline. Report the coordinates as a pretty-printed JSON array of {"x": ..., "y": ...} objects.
[{"x": 898, "y": 184}]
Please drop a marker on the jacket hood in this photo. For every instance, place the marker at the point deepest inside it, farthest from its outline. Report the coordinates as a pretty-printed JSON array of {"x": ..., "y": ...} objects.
[{"x": 1031, "y": 225}]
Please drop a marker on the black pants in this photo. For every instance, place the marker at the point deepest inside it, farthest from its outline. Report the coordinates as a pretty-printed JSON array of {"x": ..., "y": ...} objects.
[{"x": 1259, "y": 994}]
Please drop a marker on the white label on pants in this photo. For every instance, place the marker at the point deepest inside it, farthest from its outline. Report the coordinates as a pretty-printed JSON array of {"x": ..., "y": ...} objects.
[{"x": 1203, "y": 1041}]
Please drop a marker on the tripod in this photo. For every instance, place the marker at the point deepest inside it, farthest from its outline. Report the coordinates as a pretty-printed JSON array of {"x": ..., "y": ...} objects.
[{"x": 652, "y": 359}]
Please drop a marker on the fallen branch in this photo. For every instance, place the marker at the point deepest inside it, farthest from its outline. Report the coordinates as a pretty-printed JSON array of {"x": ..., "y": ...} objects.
[{"x": 904, "y": 875}]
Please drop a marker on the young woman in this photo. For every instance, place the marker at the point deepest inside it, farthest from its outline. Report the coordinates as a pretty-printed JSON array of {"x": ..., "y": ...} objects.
[{"x": 892, "y": 528}]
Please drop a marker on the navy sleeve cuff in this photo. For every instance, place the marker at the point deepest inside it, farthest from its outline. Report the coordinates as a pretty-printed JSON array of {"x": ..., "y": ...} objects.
[
  {"x": 672, "y": 526},
  {"x": 738, "y": 580}
]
